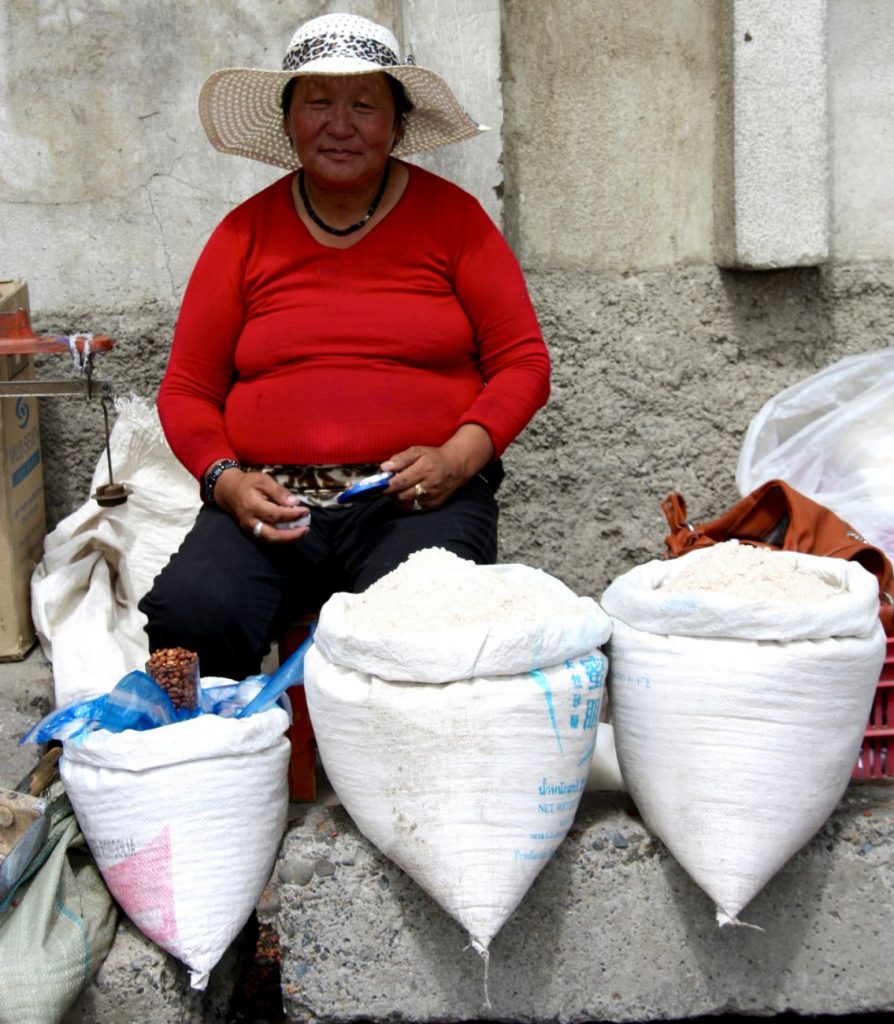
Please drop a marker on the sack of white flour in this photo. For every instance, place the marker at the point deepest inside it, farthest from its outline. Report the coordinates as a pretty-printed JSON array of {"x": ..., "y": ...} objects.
[
  {"x": 184, "y": 822},
  {"x": 438, "y": 618},
  {"x": 469, "y": 783},
  {"x": 741, "y": 683}
]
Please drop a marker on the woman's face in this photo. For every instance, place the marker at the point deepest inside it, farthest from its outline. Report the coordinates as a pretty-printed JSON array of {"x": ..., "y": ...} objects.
[{"x": 343, "y": 127}]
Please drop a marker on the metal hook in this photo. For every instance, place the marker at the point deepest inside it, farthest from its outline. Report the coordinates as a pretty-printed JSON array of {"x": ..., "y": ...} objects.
[{"x": 110, "y": 493}]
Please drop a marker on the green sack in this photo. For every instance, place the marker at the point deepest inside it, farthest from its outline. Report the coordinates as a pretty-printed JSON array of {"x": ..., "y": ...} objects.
[{"x": 56, "y": 925}]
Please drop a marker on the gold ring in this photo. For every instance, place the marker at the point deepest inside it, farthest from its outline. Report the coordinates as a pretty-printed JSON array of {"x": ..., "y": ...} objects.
[{"x": 420, "y": 491}]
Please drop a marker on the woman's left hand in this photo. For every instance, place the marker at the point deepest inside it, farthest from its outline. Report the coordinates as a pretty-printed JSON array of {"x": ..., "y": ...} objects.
[{"x": 425, "y": 477}]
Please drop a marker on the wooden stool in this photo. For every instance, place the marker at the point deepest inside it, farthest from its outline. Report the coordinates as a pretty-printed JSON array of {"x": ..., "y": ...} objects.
[{"x": 303, "y": 762}]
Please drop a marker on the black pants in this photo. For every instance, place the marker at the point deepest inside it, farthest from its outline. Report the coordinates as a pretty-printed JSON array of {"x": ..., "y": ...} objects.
[{"x": 226, "y": 595}]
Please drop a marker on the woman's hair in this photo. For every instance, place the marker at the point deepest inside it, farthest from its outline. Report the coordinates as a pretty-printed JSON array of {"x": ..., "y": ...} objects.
[{"x": 402, "y": 102}]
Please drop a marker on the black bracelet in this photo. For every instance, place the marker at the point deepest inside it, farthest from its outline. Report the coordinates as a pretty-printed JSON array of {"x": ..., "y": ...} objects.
[{"x": 209, "y": 481}]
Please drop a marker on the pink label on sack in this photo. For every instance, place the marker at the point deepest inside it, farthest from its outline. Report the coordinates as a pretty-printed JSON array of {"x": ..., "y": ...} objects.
[{"x": 144, "y": 886}]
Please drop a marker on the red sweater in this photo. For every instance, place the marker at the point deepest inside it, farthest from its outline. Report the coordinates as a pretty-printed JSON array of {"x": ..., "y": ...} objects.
[{"x": 289, "y": 351}]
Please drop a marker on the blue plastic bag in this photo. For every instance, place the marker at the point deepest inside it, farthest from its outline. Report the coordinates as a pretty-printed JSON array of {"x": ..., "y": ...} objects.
[{"x": 138, "y": 702}]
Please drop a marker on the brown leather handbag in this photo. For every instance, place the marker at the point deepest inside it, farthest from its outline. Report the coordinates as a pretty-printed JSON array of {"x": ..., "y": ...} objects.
[{"x": 777, "y": 516}]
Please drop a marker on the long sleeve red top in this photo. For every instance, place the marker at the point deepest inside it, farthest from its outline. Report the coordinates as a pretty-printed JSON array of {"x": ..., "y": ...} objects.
[{"x": 292, "y": 352}]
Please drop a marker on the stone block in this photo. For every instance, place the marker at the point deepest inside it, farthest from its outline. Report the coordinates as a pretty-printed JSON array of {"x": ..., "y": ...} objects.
[
  {"x": 139, "y": 983},
  {"x": 612, "y": 930},
  {"x": 772, "y": 169}
]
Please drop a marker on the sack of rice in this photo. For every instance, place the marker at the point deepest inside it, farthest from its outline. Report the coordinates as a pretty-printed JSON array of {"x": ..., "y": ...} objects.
[
  {"x": 455, "y": 710},
  {"x": 741, "y": 682},
  {"x": 184, "y": 822}
]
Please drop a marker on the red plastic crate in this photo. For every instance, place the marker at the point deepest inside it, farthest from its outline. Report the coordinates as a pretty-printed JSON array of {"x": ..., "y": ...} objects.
[{"x": 876, "y": 759}]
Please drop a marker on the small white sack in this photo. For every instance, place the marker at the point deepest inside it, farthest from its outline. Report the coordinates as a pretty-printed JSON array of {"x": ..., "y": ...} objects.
[
  {"x": 184, "y": 822},
  {"x": 468, "y": 786},
  {"x": 572, "y": 627},
  {"x": 736, "y": 735},
  {"x": 604, "y": 770}
]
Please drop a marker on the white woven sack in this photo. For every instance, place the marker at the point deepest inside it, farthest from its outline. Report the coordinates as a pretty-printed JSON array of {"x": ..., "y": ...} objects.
[
  {"x": 736, "y": 751},
  {"x": 185, "y": 822},
  {"x": 469, "y": 786},
  {"x": 466, "y": 651},
  {"x": 99, "y": 561}
]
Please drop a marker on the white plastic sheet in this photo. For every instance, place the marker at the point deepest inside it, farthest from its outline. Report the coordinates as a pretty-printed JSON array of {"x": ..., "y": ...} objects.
[{"x": 830, "y": 437}]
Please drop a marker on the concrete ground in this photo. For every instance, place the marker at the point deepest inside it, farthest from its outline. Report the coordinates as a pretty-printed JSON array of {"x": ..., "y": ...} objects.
[
  {"x": 612, "y": 929},
  {"x": 26, "y": 695}
]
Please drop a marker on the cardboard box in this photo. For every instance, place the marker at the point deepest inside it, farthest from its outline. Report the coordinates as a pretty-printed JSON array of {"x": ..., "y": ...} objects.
[{"x": 22, "y": 512}]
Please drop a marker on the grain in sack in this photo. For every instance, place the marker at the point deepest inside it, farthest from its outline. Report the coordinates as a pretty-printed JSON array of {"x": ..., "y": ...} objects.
[
  {"x": 184, "y": 822},
  {"x": 455, "y": 710},
  {"x": 741, "y": 682}
]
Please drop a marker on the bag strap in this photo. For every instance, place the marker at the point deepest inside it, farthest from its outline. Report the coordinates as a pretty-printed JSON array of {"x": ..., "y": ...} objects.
[
  {"x": 683, "y": 537},
  {"x": 761, "y": 518},
  {"x": 775, "y": 515}
]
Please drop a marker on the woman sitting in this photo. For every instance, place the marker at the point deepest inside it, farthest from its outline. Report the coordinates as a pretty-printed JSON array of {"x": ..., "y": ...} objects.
[{"x": 360, "y": 316}]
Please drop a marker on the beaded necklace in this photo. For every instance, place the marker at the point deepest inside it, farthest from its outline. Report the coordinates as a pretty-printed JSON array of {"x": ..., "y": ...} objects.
[{"x": 377, "y": 198}]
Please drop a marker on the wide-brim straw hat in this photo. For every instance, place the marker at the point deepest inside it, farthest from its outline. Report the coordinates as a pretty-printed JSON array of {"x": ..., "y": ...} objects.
[{"x": 241, "y": 108}]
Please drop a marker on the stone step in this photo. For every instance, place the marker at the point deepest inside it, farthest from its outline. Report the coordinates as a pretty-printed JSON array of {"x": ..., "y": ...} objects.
[{"x": 611, "y": 930}]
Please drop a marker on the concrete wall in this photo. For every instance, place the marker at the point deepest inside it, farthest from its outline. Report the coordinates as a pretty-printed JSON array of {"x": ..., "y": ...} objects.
[
  {"x": 616, "y": 122},
  {"x": 611, "y": 930},
  {"x": 609, "y": 132},
  {"x": 614, "y": 132},
  {"x": 861, "y": 89},
  {"x": 607, "y": 146},
  {"x": 771, "y": 188},
  {"x": 109, "y": 187}
]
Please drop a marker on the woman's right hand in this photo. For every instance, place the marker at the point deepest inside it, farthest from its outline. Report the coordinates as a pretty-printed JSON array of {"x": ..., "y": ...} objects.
[{"x": 256, "y": 498}]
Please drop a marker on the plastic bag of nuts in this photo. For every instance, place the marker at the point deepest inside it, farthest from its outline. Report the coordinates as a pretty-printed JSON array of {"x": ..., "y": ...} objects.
[{"x": 176, "y": 670}]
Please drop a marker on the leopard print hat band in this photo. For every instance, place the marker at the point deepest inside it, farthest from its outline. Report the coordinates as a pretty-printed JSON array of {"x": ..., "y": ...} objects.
[
  {"x": 240, "y": 107},
  {"x": 337, "y": 39}
]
